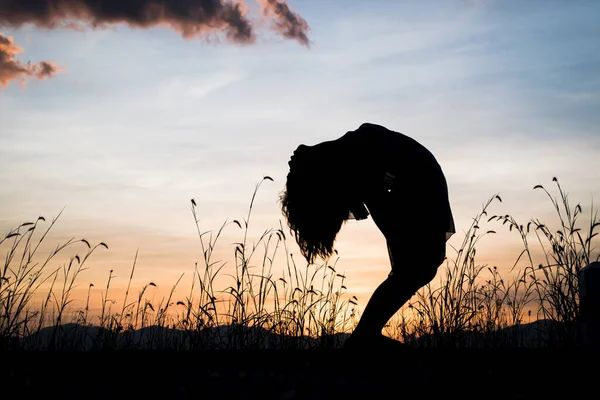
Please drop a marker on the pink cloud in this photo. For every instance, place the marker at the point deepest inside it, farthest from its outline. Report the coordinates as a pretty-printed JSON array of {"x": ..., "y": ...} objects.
[{"x": 12, "y": 69}]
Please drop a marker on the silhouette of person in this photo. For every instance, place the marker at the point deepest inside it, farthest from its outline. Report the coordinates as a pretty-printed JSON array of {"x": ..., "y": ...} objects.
[{"x": 390, "y": 176}]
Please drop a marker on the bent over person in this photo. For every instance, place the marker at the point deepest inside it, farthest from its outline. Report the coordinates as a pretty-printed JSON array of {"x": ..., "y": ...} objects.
[{"x": 399, "y": 183}]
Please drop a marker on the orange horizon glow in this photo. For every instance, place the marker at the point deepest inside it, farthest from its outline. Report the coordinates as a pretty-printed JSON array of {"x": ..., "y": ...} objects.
[{"x": 158, "y": 272}]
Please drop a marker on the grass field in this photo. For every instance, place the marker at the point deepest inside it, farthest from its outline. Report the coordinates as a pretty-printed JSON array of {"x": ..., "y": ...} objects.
[{"x": 306, "y": 306}]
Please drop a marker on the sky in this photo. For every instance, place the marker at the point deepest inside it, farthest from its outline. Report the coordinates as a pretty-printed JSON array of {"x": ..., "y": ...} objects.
[{"x": 120, "y": 116}]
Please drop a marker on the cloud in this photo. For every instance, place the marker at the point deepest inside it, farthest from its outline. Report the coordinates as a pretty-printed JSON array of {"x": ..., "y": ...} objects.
[
  {"x": 290, "y": 25},
  {"x": 190, "y": 18},
  {"x": 73, "y": 26},
  {"x": 12, "y": 69},
  {"x": 198, "y": 86}
]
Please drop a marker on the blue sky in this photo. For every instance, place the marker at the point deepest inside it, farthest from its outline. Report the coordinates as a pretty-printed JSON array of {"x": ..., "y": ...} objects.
[{"x": 137, "y": 122}]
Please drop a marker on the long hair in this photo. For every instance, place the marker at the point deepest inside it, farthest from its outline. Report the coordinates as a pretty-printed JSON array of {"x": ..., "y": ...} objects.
[{"x": 315, "y": 207}]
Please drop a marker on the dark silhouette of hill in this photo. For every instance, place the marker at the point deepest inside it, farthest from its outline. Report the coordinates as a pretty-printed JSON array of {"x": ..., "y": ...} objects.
[
  {"x": 74, "y": 337},
  {"x": 78, "y": 337}
]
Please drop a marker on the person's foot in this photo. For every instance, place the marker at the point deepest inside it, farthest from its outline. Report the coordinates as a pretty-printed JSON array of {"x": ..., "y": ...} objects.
[{"x": 371, "y": 342}]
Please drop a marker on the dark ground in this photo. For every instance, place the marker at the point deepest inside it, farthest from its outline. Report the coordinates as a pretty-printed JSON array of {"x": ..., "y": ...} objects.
[{"x": 303, "y": 374}]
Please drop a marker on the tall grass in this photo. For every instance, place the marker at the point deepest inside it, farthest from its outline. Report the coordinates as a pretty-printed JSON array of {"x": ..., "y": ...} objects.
[
  {"x": 274, "y": 301},
  {"x": 298, "y": 306},
  {"x": 567, "y": 248},
  {"x": 473, "y": 305},
  {"x": 22, "y": 275},
  {"x": 471, "y": 302}
]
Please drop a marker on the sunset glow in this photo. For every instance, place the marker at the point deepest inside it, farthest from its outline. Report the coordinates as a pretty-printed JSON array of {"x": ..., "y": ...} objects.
[{"x": 121, "y": 116}]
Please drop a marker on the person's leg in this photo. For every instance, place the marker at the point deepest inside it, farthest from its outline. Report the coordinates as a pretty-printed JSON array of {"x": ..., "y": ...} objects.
[
  {"x": 409, "y": 274},
  {"x": 385, "y": 301},
  {"x": 416, "y": 245}
]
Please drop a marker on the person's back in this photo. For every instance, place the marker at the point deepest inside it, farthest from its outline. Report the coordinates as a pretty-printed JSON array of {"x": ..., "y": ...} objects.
[
  {"x": 375, "y": 159},
  {"x": 386, "y": 148}
]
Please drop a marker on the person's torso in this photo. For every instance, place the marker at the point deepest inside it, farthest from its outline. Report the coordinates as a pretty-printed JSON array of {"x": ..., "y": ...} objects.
[{"x": 377, "y": 158}]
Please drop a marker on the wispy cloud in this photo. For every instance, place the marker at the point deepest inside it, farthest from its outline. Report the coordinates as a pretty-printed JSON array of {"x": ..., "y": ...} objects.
[
  {"x": 13, "y": 69},
  {"x": 200, "y": 86},
  {"x": 285, "y": 22}
]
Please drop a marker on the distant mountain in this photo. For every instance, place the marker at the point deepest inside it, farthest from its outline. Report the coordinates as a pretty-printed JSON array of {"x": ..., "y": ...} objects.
[
  {"x": 79, "y": 337},
  {"x": 540, "y": 333},
  {"x": 83, "y": 338}
]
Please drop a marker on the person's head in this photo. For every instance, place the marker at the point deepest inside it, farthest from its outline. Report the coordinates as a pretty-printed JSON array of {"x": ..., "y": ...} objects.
[{"x": 314, "y": 202}]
